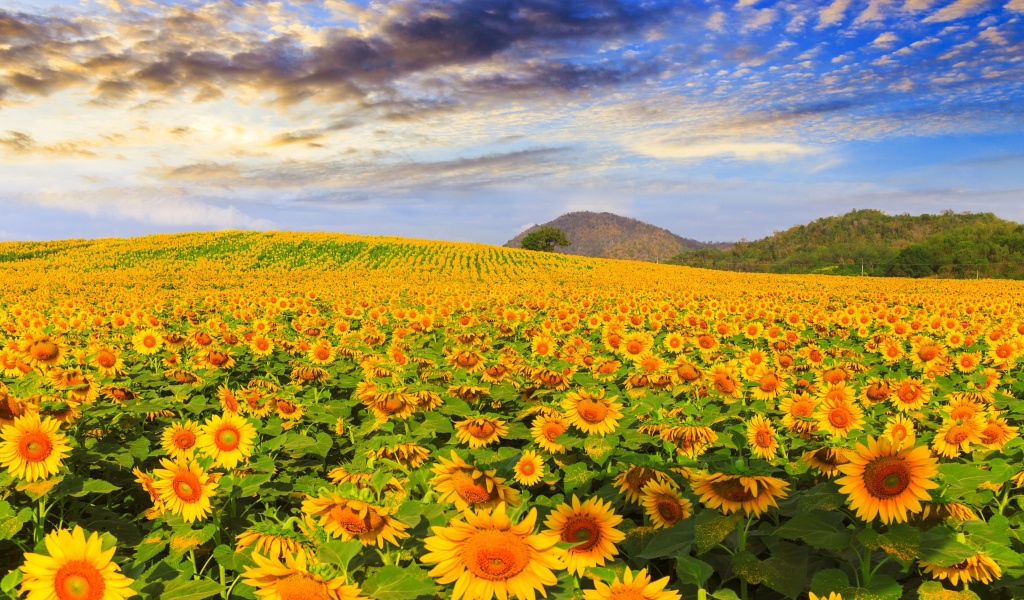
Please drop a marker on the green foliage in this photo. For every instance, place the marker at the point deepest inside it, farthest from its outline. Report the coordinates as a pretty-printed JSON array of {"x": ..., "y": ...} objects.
[
  {"x": 947, "y": 245},
  {"x": 545, "y": 239}
]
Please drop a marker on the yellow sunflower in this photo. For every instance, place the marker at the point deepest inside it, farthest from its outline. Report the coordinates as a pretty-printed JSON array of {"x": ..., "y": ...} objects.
[
  {"x": 227, "y": 438},
  {"x": 591, "y": 412},
  {"x": 826, "y": 460},
  {"x": 466, "y": 485},
  {"x": 955, "y": 437},
  {"x": 107, "y": 361},
  {"x": 663, "y": 504},
  {"x": 635, "y": 345},
  {"x": 76, "y": 568},
  {"x": 980, "y": 568},
  {"x": 479, "y": 431},
  {"x": 831, "y": 596},
  {"x": 591, "y": 526},
  {"x": 910, "y": 395},
  {"x": 631, "y": 587},
  {"x": 839, "y": 418},
  {"x": 32, "y": 449},
  {"x": 761, "y": 437},
  {"x": 269, "y": 542},
  {"x": 292, "y": 580},
  {"x": 632, "y": 481},
  {"x": 901, "y": 431},
  {"x": 730, "y": 493},
  {"x": 185, "y": 489},
  {"x": 147, "y": 342},
  {"x": 529, "y": 469},
  {"x": 770, "y": 384},
  {"x": 486, "y": 555},
  {"x": 261, "y": 345},
  {"x": 406, "y": 454},
  {"x": 179, "y": 440},
  {"x": 352, "y": 519},
  {"x": 43, "y": 350},
  {"x": 798, "y": 413},
  {"x": 997, "y": 433},
  {"x": 882, "y": 479}
]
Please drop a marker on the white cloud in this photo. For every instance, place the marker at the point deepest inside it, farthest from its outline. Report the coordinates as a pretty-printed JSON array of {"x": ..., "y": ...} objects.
[
  {"x": 885, "y": 40},
  {"x": 754, "y": 151},
  {"x": 1015, "y": 5},
  {"x": 833, "y": 13},
  {"x": 166, "y": 208},
  {"x": 957, "y": 10}
]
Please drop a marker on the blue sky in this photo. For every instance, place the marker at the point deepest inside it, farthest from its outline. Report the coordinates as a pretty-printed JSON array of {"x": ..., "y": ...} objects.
[{"x": 472, "y": 119}]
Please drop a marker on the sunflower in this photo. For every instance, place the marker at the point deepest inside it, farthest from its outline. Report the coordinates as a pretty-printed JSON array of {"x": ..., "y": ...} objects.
[
  {"x": 997, "y": 433},
  {"x": 591, "y": 526},
  {"x": 911, "y": 394},
  {"x": 479, "y": 431},
  {"x": 831, "y": 596},
  {"x": 227, "y": 438},
  {"x": 940, "y": 511},
  {"x": 839, "y": 418},
  {"x": 291, "y": 579},
  {"x": 875, "y": 390},
  {"x": 75, "y": 567},
  {"x": 321, "y": 354},
  {"x": 270, "y": 541},
  {"x": 179, "y": 440},
  {"x": 591, "y": 412},
  {"x": 147, "y": 342},
  {"x": 663, "y": 504},
  {"x": 635, "y": 345},
  {"x": 900, "y": 430},
  {"x": 798, "y": 413},
  {"x": 980, "y": 568},
  {"x": 761, "y": 437},
  {"x": 837, "y": 392},
  {"x": 149, "y": 484},
  {"x": 43, "y": 351},
  {"x": 32, "y": 449},
  {"x": 967, "y": 362},
  {"x": 486, "y": 555},
  {"x": 825, "y": 460},
  {"x": 406, "y": 454},
  {"x": 543, "y": 345},
  {"x": 674, "y": 343},
  {"x": 185, "y": 489},
  {"x": 690, "y": 440},
  {"x": 261, "y": 345},
  {"x": 632, "y": 481},
  {"x": 529, "y": 469},
  {"x": 955, "y": 437},
  {"x": 882, "y": 479},
  {"x": 684, "y": 372},
  {"x": 107, "y": 361},
  {"x": 723, "y": 381},
  {"x": 730, "y": 493},
  {"x": 352, "y": 519},
  {"x": 466, "y": 485},
  {"x": 631, "y": 587},
  {"x": 770, "y": 383}
]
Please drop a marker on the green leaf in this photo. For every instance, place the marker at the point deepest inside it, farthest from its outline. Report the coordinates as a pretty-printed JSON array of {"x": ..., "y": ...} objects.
[
  {"x": 725, "y": 594},
  {"x": 902, "y": 541},
  {"x": 396, "y": 583},
  {"x": 933, "y": 590},
  {"x": 674, "y": 540},
  {"x": 10, "y": 523},
  {"x": 97, "y": 486},
  {"x": 818, "y": 528},
  {"x": 786, "y": 575},
  {"x": 940, "y": 547},
  {"x": 250, "y": 484},
  {"x": 827, "y": 581},
  {"x": 10, "y": 581},
  {"x": 963, "y": 478},
  {"x": 882, "y": 588},
  {"x": 151, "y": 545},
  {"x": 711, "y": 528},
  {"x": 323, "y": 443},
  {"x": 409, "y": 513},
  {"x": 196, "y": 589},
  {"x": 693, "y": 571},
  {"x": 575, "y": 475},
  {"x": 339, "y": 553},
  {"x": 600, "y": 449}
]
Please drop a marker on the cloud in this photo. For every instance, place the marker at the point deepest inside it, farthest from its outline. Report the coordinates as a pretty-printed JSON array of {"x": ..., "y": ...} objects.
[
  {"x": 21, "y": 143},
  {"x": 885, "y": 40},
  {"x": 833, "y": 13},
  {"x": 957, "y": 10},
  {"x": 751, "y": 151}
]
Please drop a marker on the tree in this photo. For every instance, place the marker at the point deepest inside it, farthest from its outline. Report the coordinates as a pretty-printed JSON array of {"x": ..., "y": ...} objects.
[{"x": 545, "y": 239}]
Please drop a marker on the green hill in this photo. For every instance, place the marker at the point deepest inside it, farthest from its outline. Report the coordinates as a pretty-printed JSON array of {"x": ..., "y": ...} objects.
[{"x": 958, "y": 245}]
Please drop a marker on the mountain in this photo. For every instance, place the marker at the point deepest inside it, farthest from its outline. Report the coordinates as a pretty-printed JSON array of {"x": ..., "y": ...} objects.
[
  {"x": 875, "y": 243},
  {"x": 606, "y": 235}
]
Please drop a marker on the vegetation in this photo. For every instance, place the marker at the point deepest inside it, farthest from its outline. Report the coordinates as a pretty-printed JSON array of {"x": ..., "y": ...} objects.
[
  {"x": 280, "y": 415},
  {"x": 545, "y": 239},
  {"x": 964, "y": 245}
]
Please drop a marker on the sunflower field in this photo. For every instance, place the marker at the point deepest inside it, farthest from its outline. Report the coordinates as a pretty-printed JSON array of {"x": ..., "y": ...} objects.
[{"x": 307, "y": 416}]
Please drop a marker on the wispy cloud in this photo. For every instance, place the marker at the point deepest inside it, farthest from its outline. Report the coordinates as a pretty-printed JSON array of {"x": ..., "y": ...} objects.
[{"x": 760, "y": 151}]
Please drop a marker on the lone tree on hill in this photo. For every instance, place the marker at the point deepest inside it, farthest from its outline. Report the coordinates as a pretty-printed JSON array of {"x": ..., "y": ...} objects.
[{"x": 545, "y": 239}]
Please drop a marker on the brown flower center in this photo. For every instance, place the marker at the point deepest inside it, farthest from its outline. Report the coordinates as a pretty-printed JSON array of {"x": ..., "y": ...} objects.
[
  {"x": 886, "y": 477},
  {"x": 495, "y": 555}
]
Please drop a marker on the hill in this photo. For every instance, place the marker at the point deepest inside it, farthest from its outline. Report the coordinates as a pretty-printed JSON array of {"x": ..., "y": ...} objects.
[
  {"x": 606, "y": 235},
  {"x": 945, "y": 245}
]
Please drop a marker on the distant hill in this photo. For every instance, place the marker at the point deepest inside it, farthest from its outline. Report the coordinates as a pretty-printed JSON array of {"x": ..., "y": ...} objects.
[
  {"x": 944, "y": 245},
  {"x": 606, "y": 235}
]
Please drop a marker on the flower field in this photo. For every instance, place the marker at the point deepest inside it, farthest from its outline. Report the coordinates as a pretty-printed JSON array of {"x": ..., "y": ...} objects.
[{"x": 307, "y": 416}]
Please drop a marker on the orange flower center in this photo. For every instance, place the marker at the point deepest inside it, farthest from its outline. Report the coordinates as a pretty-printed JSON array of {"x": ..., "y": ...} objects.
[
  {"x": 802, "y": 409},
  {"x": 78, "y": 580},
  {"x": 591, "y": 410},
  {"x": 669, "y": 509},
  {"x": 187, "y": 487},
  {"x": 471, "y": 490},
  {"x": 350, "y": 521},
  {"x": 301, "y": 586},
  {"x": 149, "y": 341},
  {"x": 262, "y": 344},
  {"x": 725, "y": 384},
  {"x": 634, "y": 347},
  {"x": 957, "y": 434},
  {"x": 526, "y": 467},
  {"x": 928, "y": 353},
  {"x": 495, "y": 555},
  {"x": 45, "y": 351},
  {"x": 687, "y": 373},
  {"x": 228, "y": 438},
  {"x": 840, "y": 417},
  {"x": 106, "y": 359},
  {"x": 706, "y": 342},
  {"x": 763, "y": 438},
  {"x": 732, "y": 490},
  {"x": 480, "y": 429},
  {"x": 769, "y": 383},
  {"x": 886, "y": 477},
  {"x": 581, "y": 529},
  {"x": 553, "y": 429},
  {"x": 909, "y": 393},
  {"x": 35, "y": 446},
  {"x": 184, "y": 439}
]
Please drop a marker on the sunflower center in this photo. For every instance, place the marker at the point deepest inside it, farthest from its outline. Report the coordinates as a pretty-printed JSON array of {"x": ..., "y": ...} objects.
[
  {"x": 526, "y": 468},
  {"x": 228, "y": 439},
  {"x": 886, "y": 477},
  {"x": 669, "y": 509},
  {"x": 1003, "y": 351},
  {"x": 634, "y": 347},
  {"x": 471, "y": 490},
  {"x": 35, "y": 446},
  {"x": 928, "y": 353},
  {"x": 706, "y": 342},
  {"x": 350, "y": 520},
  {"x": 584, "y": 531},
  {"x": 957, "y": 434},
  {"x": 149, "y": 341},
  {"x": 184, "y": 439},
  {"x": 763, "y": 438},
  {"x": 688, "y": 373},
  {"x": 732, "y": 490},
  {"x": 495, "y": 555},
  {"x": 908, "y": 393},
  {"x": 878, "y": 392},
  {"x": 106, "y": 360},
  {"x": 187, "y": 487},
  {"x": 45, "y": 351},
  {"x": 592, "y": 411},
  {"x": 769, "y": 383},
  {"x": 480, "y": 429},
  {"x": 839, "y": 417},
  {"x": 78, "y": 580},
  {"x": 301, "y": 586},
  {"x": 322, "y": 353}
]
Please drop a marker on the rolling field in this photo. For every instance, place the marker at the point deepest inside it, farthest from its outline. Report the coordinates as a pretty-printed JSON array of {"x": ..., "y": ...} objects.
[{"x": 310, "y": 416}]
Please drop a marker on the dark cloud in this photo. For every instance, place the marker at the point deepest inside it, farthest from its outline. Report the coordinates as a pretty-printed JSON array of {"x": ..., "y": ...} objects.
[{"x": 18, "y": 142}]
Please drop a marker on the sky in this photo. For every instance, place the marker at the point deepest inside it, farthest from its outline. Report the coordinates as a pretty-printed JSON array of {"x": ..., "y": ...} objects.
[{"x": 471, "y": 120}]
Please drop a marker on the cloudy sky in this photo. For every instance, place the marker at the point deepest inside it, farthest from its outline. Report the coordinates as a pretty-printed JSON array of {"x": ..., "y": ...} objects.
[{"x": 472, "y": 119}]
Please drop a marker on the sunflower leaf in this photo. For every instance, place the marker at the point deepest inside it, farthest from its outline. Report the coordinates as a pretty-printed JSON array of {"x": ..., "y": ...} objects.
[{"x": 397, "y": 583}]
